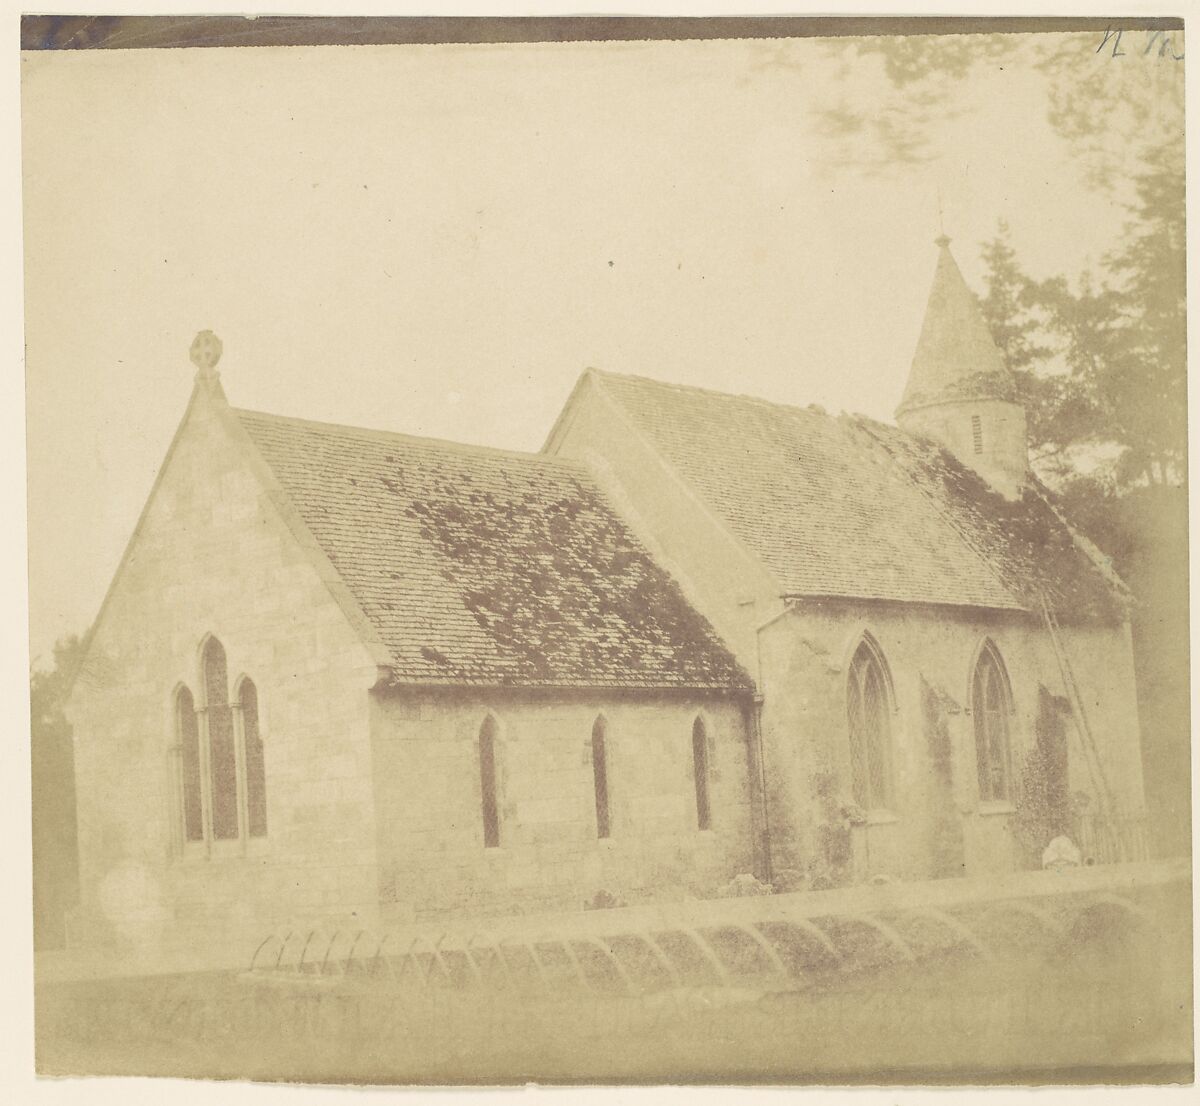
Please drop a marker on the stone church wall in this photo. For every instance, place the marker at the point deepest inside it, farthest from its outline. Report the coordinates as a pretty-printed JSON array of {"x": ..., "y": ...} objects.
[
  {"x": 428, "y": 796},
  {"x": 213, "y": 557},
  {"x": 938, "y": 826}
]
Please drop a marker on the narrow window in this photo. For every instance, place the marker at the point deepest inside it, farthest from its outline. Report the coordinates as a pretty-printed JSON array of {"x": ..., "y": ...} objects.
[
  {"x": 256, "y": 781},
  {"x": 188, "y": 734},
  {"x": 487, "y": 777},
  {"x": 868, "y": 709},
  {"x": 222, "y": 753},
  {"x": 990, "y": 706},
  {"x": 700, "y": 771},
  {"x": 977, "y": 432},
  {"x": 600, "y": 777}
]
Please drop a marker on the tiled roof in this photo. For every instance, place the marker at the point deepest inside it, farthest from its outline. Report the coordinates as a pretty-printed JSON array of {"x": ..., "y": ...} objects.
[
  {"x": 479, "y": 566},
  {"x": 845, "y": 506}
]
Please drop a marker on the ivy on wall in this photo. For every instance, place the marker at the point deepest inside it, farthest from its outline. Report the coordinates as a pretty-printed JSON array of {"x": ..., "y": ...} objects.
[
  {"x": 945, "y": 824},
  {"x": 1044, "y": 801},
  {"x": 833, "y": 862}
]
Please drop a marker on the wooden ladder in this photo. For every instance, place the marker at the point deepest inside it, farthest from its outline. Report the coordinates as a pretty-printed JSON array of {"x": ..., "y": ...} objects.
[{"x": 1091, "y": 752}]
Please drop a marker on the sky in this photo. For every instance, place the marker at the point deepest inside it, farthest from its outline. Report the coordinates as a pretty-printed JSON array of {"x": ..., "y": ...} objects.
[{"x": 440, "y": 239}]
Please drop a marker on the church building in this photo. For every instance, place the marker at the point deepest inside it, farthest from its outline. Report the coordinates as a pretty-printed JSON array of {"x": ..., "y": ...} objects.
[
  {"x": 938, "y": 657},
  {"x": 369, "y": 678}
]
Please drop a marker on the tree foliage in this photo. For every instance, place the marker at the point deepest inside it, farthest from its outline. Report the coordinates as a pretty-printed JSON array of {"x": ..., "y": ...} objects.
[
  {"x": 1101, "y": 360},
  {"x": 1107, "y": 100},
  {"x": 1100, "y": 356},
  {"x": 55, "y": 854}
]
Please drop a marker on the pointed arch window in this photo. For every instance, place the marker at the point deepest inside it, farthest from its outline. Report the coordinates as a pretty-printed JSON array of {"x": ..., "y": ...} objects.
[
  {"x": 187, "y": 732},
  {"x": 600, "y": 777},
  {"x": 487, "y": 782},
  {"x": 222, "y": 747},
  {"x": 869, "y": 716},
  {"x": 255, "y": 770},
  {"x": 222, "y": 768},
  {"x": 991, "y": 707},
  {"x": 700, "y": 773}
]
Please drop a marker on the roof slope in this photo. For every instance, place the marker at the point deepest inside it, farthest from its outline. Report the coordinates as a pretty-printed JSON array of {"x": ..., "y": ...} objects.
[
  {"x": 956, "y": 357},
  {"x": 480, "y": 566},
  {"x": 849, "y": 507}
]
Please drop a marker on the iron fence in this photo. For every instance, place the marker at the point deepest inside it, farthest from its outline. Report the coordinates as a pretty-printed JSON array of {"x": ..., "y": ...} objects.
[{"x": 1115, "y": 838}]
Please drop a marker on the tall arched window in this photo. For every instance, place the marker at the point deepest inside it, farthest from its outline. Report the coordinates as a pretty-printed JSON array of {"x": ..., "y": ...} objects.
[
  {"x": 187, "y": 732},
  {"x": 869, "y": 708},
  {"x": 221, "y": 762},
  {"x": 991, "y": 706},
  {"x": 600, "y": 777},
  {"x": 256, "y": 781},
  {"x": 700, "y": 773},
  {"x": 487, "y": 780},
  {"x": 222, "y": 752}
]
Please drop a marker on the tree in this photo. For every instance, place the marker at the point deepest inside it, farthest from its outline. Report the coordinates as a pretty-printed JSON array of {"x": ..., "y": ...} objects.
[
  {"x": 1107, "y": 104},
  {"x": 1015, "y": 309},
  {"x": 1101, "y": 362},
  {"x": 1100, "y": 357},
  {"x": 1145, "y": 383},
  {"x": 1102, "y": 366},
  {"x": 55, "y": 850}
]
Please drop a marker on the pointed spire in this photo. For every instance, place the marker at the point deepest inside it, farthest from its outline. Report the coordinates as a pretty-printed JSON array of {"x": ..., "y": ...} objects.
[{"x": 956, "y": 357}]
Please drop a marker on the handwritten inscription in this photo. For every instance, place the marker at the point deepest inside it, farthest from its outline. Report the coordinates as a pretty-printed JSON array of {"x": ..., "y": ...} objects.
[{"x": 1120, "y": 49}]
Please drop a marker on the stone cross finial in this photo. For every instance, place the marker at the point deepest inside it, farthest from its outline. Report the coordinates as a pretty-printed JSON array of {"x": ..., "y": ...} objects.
[{"x": 205, "y": 353}]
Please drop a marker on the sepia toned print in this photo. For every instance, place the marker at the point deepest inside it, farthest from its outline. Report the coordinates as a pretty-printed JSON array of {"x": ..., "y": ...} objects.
[{"x": 798, "y": 695}]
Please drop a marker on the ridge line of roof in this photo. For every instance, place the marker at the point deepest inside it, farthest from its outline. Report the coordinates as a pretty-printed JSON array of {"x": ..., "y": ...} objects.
[
  {"x": 443, "y": 444},
  {"x": 811, "y": 409}
]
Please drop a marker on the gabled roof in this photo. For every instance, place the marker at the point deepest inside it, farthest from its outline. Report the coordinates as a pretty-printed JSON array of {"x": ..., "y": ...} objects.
[
  {"x": 849, "y": 507},
  {"x": 480, "y": 566},
  {"x": 956, "y": 356}
]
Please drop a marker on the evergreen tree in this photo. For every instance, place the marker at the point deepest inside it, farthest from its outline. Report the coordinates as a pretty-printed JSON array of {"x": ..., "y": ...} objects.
[
  {"x": 55, "y": 850},
  {"x": 1102, "y": 365}
]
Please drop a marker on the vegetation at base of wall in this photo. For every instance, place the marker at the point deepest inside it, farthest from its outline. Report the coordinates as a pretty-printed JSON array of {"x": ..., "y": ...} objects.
[
  {"x": 744, "y": 885},
  {"x": 833, "y": 862},
  {"x": 1044, "y": 800},
  {"x": 945, "y": 823},
  {"x": 52, "y": 754},
  {"x": 604, "y": 900}
]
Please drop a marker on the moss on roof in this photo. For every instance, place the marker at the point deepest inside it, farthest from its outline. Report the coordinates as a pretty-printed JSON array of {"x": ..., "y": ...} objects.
[
  {"x": 844, "y": 506},
  {"x": 481, "y": 566}
]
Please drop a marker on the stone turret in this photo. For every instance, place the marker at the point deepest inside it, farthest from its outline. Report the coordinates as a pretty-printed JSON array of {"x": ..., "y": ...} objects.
[{"x": 960, "y": 393}]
